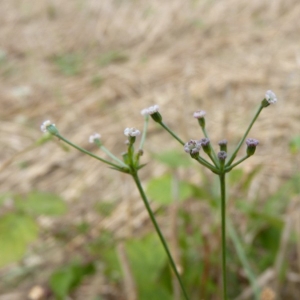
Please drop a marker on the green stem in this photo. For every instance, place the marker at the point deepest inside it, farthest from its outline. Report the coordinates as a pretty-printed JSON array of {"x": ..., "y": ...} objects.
[
  {"x": 228, "y": 169},
  {"x": 104, "y": 149},
  {"x": 87, "y": 152},
  {"x": 244, "y": 137},
  {"x": 162, "y": 239},
  {"x": 130, "y": 155},
  {"x": 171, "y": 132},
  {"x": 214, "y": 158},
  {"x": 223, "y": 218},
  {"x": 144, "y": 132},
  {"x": 199, "y": 159},
  {"x": 207, "y": 164},
  {"x": 243, "y": 258}
]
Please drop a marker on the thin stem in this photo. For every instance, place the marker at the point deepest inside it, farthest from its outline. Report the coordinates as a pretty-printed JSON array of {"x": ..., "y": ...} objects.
[
  {"x": 174, "y": 244},
  {"x": 162, "y": 239},
  {"x": 223, "y": 218},
  {"x": 229, "y": 168},
  {"x": 104, "y": 149},
  {"x": 207, "y": 164},
  {"x": 214, "y": 158},
  {"x": 199, "y": 159},
  {"x": 204, "y": 132},
  {"x": 171, "y": 132},
  {"x": 87, "y": 152},
  {"x": 244, "y": 137},
  {"x": 143, "y": 138},
  {"x": 130, "y": 155},
  {"x": 243, "y": 258}
]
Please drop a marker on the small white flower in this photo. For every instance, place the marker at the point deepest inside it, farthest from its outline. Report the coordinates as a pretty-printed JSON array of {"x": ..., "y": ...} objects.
[
  {"x": 199, "y": 114},
  {"x": 131, "y": 132},
  {"x": 45, "y": 125},
  {"x": 270, "y": 97},
  {"x": 192, "y": 146},
  {"x": 150, "y": 110},
  {"x": 93, "y": 137}
]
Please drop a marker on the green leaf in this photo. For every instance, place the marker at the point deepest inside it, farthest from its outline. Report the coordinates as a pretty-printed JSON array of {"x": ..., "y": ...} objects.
[
  {"x": 174, "y": 159},
  {"x": 265, "y": 245},
  {"x": 60, "y": 283},
  {"x": 272, "y": 219},
  {"x": 112, "y": 269},
  {"x": 16, "y": 232},
  {"x": 147, "y": 260},
  {"x": 160, "y": 190},
  {"x": 38, "y": 203},
  {"x": 64, "y": 280}
]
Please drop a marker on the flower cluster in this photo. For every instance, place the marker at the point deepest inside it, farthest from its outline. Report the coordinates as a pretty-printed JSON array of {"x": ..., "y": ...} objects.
[
  {"x": 251, "y": 146},
  {"x": 222, "y": 142},
  {"x": 150, "y": 110},
  {"x": 252, "y": 142},
  {"x": 223, "y": 145},
  {"x": 131, "y": 132},
  {"x": 192, "y": 147},
  {"x": 205, "y": 142},
  {"x": 270, "y": 97},
  {"x": 222, "y": 155},
  {"x": 199, "y": 114},
  {"x": 94, "y": 137},
  {"x": 45, "y": 125}
]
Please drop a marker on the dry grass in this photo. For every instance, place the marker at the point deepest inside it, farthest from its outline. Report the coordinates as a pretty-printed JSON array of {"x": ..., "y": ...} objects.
[{"x": 220, "y": 56}]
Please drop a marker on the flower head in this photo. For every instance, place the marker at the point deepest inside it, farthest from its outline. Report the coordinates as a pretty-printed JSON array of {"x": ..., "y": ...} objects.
[
  {"x": 199, "y": 114},
  {"x": 192, "y": 146},
  {"x": 223, "y": 145},
  {"x": 150, "y": 110},
  {"x": 251, "y": 146},
  {"x": 270, "y": 97},
  {"x": 94, "y": 137},
  {"x": 252, "y": 142},
  {"x": 205, "y": 142},
  {"x": 131, "y": 132},
  {"x": 222, "y": 155},
  {"x": 45, "y": 125},
  {"x": 222, "y": 142}
]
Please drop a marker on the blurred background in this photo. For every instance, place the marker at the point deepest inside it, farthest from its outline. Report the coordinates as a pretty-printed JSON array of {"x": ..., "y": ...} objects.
[{"x": 71, "y": 227}]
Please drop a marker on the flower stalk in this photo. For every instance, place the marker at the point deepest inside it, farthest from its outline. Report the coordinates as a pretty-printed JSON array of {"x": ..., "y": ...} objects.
[
  {"x": 159, "y": 233},
  {"x": 231, "y": 159},
  {"x": 223, "y": 228}
]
